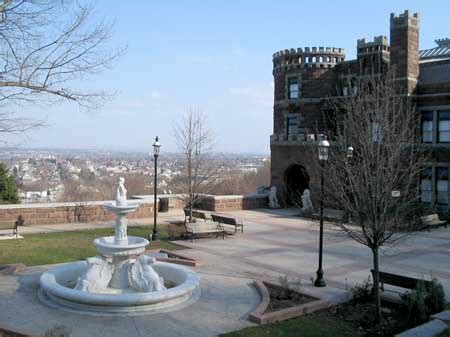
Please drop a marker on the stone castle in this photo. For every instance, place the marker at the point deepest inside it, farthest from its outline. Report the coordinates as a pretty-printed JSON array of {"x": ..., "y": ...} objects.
[{"x": 306, "y": 77}]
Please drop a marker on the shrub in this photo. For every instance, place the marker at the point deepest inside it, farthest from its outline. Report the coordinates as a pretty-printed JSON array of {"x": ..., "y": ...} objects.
[
  {"x": 435, "y": 300},
  {"x": 424, "y": 301},
  {"x": 414, "y": 302},
  {"x": 362, "y": 291}
]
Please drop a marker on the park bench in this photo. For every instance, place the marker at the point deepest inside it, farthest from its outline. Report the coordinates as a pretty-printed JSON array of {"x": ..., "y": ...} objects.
[
  {"x": 432, "y": 220},
  {"x": 193, "y": 229},
  {"x": 224, "y": 220},
  {"x": 196, "y": 214},
  {"x": 400, "y": 281},
  {"x": 10, "y": 224}
]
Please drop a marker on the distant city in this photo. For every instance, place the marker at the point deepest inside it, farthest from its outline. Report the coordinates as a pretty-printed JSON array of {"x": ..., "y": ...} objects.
[{"x": 59, "y": 175}]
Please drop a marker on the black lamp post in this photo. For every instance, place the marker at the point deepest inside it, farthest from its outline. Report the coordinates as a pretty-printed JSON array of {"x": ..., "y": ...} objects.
[
  {"x": 156, "y": 146},
  {"x": 323, "y": 157}
]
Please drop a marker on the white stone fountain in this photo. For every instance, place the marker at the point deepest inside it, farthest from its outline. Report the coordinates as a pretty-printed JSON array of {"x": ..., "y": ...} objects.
[{"x": 121, "y": 279}]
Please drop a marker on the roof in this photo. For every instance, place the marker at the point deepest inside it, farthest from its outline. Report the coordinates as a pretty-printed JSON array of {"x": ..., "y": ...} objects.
[{"x": 442, "y": 51}]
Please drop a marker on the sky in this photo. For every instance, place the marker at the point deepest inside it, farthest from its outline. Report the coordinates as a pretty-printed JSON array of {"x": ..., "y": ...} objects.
[{"x": 214, "y": 56}]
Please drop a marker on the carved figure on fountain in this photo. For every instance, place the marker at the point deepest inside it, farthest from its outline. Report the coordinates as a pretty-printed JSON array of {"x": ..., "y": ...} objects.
[
  {"x": 143, "y": 278},
  {"x": 121, "y": 193},
  {"x": 97, "y": 275}
]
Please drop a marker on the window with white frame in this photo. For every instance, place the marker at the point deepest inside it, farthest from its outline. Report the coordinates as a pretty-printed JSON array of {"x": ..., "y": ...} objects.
[
  {"x": 293, "y": 88},
  {"x": 426, "y": 186},
  {"x": 444, "y": 126},
  {"x": 427, "y": 127},
  {"x": 442, "y": 185}
]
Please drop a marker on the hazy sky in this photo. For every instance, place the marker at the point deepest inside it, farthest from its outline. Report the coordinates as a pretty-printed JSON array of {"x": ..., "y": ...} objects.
[{"x": 215, "y": 56}]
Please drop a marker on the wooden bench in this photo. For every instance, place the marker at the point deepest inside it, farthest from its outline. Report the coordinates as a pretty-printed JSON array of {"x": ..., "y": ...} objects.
[
  {"x": 432, "y": 220},
  {"x": 193, "y": 229},
  {"x": 401, "y": 281},
  {"x": 10, "y": 224},
  {"x": 196, "y": 214},
  {"x": 224, "y": 220}
]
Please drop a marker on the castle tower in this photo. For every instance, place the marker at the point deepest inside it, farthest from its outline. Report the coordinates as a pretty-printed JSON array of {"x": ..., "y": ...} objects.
[
  {"x": 372, "y": 55},
  {"x": 404, "y": 54}
]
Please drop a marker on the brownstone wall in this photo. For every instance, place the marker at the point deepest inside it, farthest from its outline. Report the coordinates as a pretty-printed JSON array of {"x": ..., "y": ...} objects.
[
  {"x": 404, "y": 52},
  {"x": 58, "y": 213},
  {"x": 232, "y": 202}
]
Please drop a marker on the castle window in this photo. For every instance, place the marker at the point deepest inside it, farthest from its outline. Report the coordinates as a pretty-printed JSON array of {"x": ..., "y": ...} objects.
[
  {"x": 444, "y": 127},
  {"x": 442, "y": 185},
  {"x": 292, "y": 125},
  {"x": 293, "y": 88},
  {"x": 427, "y": 127},
  {"x": 426, "y": 187}
]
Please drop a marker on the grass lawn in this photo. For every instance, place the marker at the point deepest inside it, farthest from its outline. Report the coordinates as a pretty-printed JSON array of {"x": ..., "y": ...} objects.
[
  {"x": 49, "y": 248},
  {"x": 315, "y": 325}
]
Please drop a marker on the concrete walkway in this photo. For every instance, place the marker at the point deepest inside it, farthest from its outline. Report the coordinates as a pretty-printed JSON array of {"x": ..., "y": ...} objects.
[{"x": 278, "y": 242}]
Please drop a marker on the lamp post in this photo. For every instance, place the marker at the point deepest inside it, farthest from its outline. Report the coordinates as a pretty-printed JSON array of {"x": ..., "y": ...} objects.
[
  {"x": 323, "y": 157},
  {"x": 156, "y": 147}
]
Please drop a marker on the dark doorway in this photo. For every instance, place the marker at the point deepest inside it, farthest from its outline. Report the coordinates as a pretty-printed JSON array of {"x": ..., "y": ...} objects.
[{"x": 296, "y": 180}]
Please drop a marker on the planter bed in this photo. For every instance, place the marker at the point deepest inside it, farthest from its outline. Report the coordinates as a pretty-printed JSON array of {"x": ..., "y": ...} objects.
[{"x": 275, "y": 307}]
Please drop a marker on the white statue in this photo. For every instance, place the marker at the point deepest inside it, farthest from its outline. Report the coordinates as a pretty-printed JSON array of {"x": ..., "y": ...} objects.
[
  {"x": 97, "y": 275},
  {"x": 273, "y": 200},
  {"x": 307, "y": 207},
  {"x": 121, "y": 194},
  {"x": 142, "y": 276}
]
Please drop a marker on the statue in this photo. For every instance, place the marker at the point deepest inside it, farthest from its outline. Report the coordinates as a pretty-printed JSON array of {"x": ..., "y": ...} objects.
[
  {"x": 121, "y": 194},
  {"x": 273, "y": 200},
  {"x": 97, "y": 275},
  {"x": 307, "y": 207},
  {"x": 142, "y": 276}
]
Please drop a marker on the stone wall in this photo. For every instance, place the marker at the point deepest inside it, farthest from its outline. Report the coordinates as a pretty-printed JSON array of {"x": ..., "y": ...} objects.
[
  {"x": 67, "y": 212},
  {"x": 220, "y": 203},
  {"x": 93, "y": 211}
]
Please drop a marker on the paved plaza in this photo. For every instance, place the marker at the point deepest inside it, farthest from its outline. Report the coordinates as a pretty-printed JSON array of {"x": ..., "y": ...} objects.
[{"x": 275, "y": 243}]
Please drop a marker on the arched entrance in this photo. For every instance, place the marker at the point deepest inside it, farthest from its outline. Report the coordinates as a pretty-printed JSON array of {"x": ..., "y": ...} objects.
[{"x": 296, "y": 180}]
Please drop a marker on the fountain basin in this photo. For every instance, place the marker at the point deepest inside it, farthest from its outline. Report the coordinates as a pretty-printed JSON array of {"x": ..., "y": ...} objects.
[
  {"x": 109, "y": 246},
  {"x": 57, "y": 291},
  {"x": 123, "y": 209}
]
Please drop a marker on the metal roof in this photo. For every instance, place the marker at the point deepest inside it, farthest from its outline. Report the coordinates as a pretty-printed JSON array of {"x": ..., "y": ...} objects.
[{"x": 442, "y": 51}]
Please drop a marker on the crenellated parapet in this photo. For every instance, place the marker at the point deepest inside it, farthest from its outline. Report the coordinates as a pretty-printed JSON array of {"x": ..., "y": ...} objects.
[
  {"x": 379, "y": 44},
  {"x": 308, "y": 57}
]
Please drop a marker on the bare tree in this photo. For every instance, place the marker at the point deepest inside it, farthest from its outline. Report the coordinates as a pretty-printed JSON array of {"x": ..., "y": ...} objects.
[
  {"x": 378, "y": 186},
  {"x": 46, "y": 49},
  {"x": 196, "y": 141}
]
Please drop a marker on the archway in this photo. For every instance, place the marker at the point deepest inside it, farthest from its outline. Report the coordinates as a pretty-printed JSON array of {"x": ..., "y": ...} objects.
[{"x": 296, "y": 180}]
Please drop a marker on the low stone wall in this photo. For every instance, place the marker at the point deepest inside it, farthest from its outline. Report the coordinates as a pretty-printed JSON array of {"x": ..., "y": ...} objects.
[
  {"x": 93, "y": 211},
  {"x": 218, "y": 203},
  {"x": 67, "y": 212}
]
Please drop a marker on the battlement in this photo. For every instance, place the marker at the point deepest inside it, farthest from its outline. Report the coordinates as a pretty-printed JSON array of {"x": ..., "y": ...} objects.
[
  {"x": 405, "y": 19},
  {"x": 379, "y": 44},
  {"x": 319, "y": 57},
  {"x": 443, "y": 42}
]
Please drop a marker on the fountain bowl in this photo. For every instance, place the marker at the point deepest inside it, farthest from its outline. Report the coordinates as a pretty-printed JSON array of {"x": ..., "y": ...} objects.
[
  {"x": 57, "y": 291},
  {"x": 123, "y": 209},
  {"x": 132, "y": 245}
]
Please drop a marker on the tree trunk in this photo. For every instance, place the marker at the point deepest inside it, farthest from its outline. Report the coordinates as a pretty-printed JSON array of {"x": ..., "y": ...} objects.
[{"x": 376, "y": 289}]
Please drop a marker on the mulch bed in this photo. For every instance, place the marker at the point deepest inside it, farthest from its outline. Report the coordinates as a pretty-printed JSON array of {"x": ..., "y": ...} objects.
[
  {"x": 281, "y": 298},
  {"x": 362, "y": 316}
]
